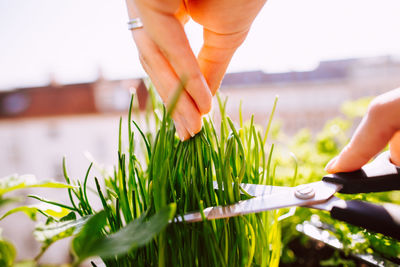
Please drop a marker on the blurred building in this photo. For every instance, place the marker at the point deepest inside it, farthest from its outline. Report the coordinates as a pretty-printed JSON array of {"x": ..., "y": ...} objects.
[
  {"x": 309, "y": 99},
  {"x": 38, "y": 126}
]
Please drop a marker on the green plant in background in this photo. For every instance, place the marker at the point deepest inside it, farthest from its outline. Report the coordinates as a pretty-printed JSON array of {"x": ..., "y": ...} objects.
[
  {"x": 171, "y": 178},
  {"x": 313, "y": 152},
  {"x": 7, "y": 252},
  {"x": 15, "y": 182}
]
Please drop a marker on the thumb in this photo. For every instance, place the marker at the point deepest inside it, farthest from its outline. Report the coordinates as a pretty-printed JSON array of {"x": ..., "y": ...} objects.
[
  {"x": 394, "y": 147},
  {"x": 376, "y": 129},
  {"x": 216, "y": 53}
]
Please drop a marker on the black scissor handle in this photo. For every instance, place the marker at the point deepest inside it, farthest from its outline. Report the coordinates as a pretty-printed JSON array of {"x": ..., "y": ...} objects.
[
  {"x": 383, "y": 219},
  {"x": 377, "y": 176}
]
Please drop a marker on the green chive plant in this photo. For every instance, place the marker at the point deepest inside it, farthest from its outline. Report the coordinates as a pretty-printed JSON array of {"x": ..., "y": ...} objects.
[
  {"x": 183, "y": 173},
  {"x": 144, "y": 193}
]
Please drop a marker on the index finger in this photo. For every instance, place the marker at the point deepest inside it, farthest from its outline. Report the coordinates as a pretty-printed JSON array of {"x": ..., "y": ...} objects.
[
  {"x": 375, "y": 131},
  {"x": 167, "y": 32}
]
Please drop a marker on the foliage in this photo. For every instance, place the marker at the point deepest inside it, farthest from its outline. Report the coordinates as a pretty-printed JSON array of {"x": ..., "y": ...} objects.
[
  {"x": 7, "y": 252},
  {"x": 14, "y": 182},
  {"x": 17, "y": 182},
  {"x": 313, "y": 152},
  {"x": 356, "y": 108},
  {"x": 92, "y": 242},
  {"x": 32, "y": 210},
  {"x": 336, "y": 260}
]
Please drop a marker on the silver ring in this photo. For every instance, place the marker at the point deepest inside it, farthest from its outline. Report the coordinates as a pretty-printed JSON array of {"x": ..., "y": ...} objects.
[{"x": 134, "y": 24}]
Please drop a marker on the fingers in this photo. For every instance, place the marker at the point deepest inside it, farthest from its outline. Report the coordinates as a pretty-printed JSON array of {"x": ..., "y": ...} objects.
[
  {"x": 376, "y": 129},
  {"x": 180, "y": 129},
  {"x": 226, "y": 24},
  {"x": 216, "y": 53},
  {"x": 186, "y": 116},
  {"x": 165, "y": 29}
]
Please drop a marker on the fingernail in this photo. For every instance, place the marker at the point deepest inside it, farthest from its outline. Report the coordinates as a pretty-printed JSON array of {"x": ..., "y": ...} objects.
[
  {"x": 180, "y": 133},
  {"x": 330, "y": 166},
  {"x": 187, "y": 124}
]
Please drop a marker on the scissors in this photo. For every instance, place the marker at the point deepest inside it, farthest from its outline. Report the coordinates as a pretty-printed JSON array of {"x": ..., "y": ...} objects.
[{"x": 378, "y": 176}]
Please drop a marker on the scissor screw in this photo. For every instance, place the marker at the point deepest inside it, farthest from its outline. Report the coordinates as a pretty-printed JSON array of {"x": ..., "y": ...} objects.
[{"x": 304, "y": 192}]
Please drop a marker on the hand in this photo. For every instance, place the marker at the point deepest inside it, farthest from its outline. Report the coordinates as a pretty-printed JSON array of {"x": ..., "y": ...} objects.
[
  {"x": 380, "y": 126},
  {"x": 166, "y": 56}
]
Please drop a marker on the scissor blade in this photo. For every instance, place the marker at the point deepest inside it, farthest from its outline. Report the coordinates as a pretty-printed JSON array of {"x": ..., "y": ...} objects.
[
  {"x": 287, "y": 198},
  {"x": 257, "y": 190},
  {"x": 329, "y": 204}
]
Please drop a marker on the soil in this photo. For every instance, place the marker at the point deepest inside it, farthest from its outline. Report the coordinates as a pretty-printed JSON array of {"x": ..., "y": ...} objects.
[{"x": 312, "y": 252}]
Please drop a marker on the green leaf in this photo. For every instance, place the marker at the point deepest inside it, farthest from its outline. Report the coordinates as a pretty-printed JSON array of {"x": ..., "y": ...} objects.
[
  {"x": 29, "y": 211},
  {"x": 7, "y": 253},
  {"x": 26, "y": 263},
  {"x": 90, "y": 241},
  {"x": 43, "y": 208},
  {"x": 83, "y": 244},
  {"x": 14, "y": 182},
  {"x": 69, "y": 217},
  {"x": 55, "y": 231}
]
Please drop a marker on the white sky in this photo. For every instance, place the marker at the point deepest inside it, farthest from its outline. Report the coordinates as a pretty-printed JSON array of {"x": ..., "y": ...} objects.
[{"x": 72, "y": 39}]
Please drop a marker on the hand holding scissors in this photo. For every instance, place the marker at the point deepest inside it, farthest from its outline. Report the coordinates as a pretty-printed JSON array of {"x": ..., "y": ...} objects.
[{"x": 378, "y": 176}]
